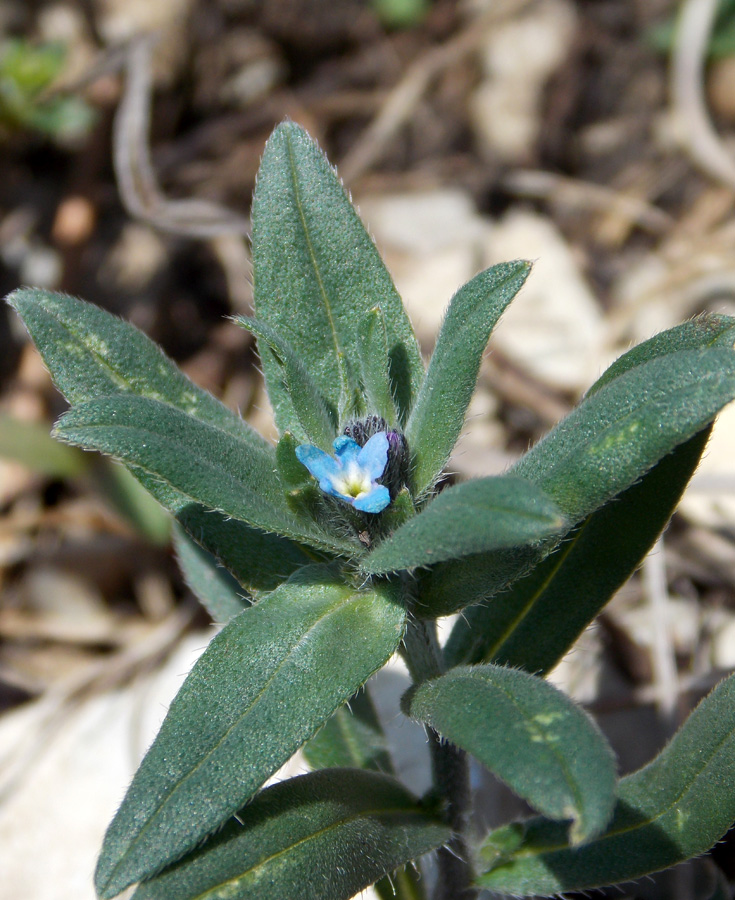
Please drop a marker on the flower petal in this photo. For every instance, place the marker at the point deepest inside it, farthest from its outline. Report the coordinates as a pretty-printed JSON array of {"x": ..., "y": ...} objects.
[
  {"x": 346, "y": 450},
  {"x": 375, "y": 501},
  {"x": 373, "y": 457},
  {"x": 320, "y": 464}
]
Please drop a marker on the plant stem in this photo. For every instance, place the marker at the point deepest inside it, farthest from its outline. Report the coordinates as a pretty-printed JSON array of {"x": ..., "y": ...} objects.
[{"x": 449, "y": 768}]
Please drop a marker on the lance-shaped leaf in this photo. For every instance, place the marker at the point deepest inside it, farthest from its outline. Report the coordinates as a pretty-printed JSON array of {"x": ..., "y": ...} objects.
[
  {"x": 317, "y": 273},
  {"x": 318, "y": 423},
  {"x": 322, "y": 836},
  {"x": 614, "y": 436},
  {"x": 671, "y": 810},
  {"x": 697, "y": 334},
  {"x": 479, "y": 515},
  {"x": 539, "y": 618},
  {"x": 262, "y": 688},
  {"x": 212, "y": 584},
  {"x": 438, "y": 415},
  {"x": 91, "y": 353},
  {"x": 529, "y": 734},
  {"x": 372, "y": 349},
  {"x": 209, "y": 466},
  {"x": 452, "y": 586}
]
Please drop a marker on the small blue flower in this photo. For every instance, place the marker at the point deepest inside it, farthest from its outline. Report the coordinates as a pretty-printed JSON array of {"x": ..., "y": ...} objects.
[{"x": 352, "y": 473}]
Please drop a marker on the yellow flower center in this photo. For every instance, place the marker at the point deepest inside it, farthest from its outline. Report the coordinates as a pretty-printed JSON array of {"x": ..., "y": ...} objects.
[{"x": 353, "y": 483}]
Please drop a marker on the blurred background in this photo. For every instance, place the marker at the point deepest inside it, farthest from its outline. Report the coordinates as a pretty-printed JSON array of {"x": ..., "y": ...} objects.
[{"x": 596, "y": 138}]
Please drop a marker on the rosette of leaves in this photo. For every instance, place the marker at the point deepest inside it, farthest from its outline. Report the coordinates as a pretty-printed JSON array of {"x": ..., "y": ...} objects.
[{"x": 316, "y": 593}]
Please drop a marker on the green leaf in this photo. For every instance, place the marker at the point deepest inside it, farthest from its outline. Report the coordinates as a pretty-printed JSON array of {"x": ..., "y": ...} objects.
[
  {"x": 353, "y": 737},
  {"x": 318, "y": 423},
  {"x": 263, "y": 687},
  {"x": 696, "y": 334},
  {"x": 671, "y": 810},
  {"x": 317, "y": 273},
  {"x": 212, "y": 584},
  {"x": 209, "y": 466},
  {"x": 535, "y": 622},
  {"x": 478, "y": 515},
  {"x": 91, "y": 353},
  {"x": 322, "y": 836},
  {"x": 438, "y": 415},
  {"x": 529, "y": 734},
  {"x": 452, "y": 586},
  {"x": 375, "y": 365},
  {"x": 619, "y": 432}
]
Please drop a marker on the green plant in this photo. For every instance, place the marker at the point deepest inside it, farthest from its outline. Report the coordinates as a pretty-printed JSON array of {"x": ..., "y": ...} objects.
[
  {"x": 27, "y": 75},
  {"x": 325, "y": 578}
]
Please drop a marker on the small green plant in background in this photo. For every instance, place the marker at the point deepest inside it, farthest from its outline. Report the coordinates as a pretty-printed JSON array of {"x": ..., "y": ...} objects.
[
  {"x": 27, "y": 75},
  {"x": 332, "y": 551}
]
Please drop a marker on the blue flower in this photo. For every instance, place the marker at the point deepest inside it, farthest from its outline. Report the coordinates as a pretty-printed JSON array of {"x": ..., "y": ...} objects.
[{"x": 352, "y": 473}]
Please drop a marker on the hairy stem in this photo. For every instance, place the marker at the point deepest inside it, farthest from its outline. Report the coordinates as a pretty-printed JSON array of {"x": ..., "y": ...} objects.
[{"x": 450, "y": 771}]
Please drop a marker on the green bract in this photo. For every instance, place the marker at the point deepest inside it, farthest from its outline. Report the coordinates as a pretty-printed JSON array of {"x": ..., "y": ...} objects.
[{"x": 319, "y": 581}]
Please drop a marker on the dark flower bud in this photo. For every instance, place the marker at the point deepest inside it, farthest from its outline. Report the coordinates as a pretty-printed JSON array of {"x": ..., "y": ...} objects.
[{"x": 395, "y": 475}]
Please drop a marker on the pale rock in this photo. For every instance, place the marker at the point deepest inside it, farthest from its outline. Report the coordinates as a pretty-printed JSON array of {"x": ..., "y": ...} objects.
[
  {"x": 709, "y": 500},
  {"x": 518, "y": 57},
  {"x": 61, "y": 786},
  {"x": 641, "y": 621},
  {"x": 479, "y": 451},
  {"x": 431, "y": 242},
  {"x": 723, "y": 642},
  {"x": 42, "y": 267},
  {"x": 119, "y": 21},
  {"x": 554, "y": 329},
  {"x": 137, "y": 255}
]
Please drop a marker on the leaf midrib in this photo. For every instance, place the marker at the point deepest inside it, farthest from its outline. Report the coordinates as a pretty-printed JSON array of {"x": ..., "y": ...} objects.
[
  {"x": 247, "y": 435},
  {"x": 528, "y": 607},
  {"x": 288, "y": 527},
  {"x": 526, "y": 716},
  {"x": 166, "y": 799},
  {"x": 310, "y": 248},
  {"x": 561, "y": 462},
  {"x": 608, "y": 835},
  {"x": 367, "y": 813}
]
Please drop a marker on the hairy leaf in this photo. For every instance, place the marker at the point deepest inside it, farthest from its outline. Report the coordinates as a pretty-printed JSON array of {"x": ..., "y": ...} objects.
[
  {"x": 671, "y": 810},
  {"x": 540, "y": 616},
  {"x": 318, "y": 423},
  {"x": 529, "y": 734},
  {"x": 90, "y": 354},
  {"x": 619, "y": 432},
  {"x": 653, "y": 398},
  {"x": 263, "y": 687},
  {"x": 317, "y": 273},
  {"x": 375, "y": 365},
  {"x": 476, "y": 516},
  {"x": 438, "y": 415},
  {"x": 209, "y": 466},
  {"x": 697, "y": 334},
  {"x": 258, "y": 561},
  {"x": 323, "y": 836}
]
